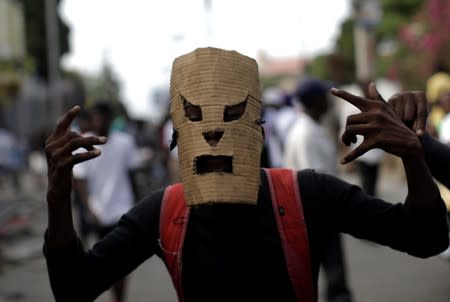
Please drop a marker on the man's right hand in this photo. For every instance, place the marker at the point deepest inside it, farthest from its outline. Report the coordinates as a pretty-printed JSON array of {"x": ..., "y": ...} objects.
[
  {"x": 60, "y": 159},
  {"x": 379, "y": 124}
]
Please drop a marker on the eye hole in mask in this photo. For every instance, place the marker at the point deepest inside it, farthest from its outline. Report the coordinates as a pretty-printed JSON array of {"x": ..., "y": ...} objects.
[
  {"x": 234, "y": 112},
  {"x": 193, "y": 112}
]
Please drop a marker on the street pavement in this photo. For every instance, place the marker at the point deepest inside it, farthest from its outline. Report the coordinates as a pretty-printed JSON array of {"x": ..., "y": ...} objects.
[{"x": 375, "y": 273}]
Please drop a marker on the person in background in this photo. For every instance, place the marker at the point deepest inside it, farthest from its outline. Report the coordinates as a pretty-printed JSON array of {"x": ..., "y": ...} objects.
[
  {"x": 309, "y": 145},
  {"x": 444, "y": 101},
  {"x": 83, "y": 126},
  {"x": 104, "y": 184},
  {"x": 272, "y": 99},
  {"x": 437, "y": 85},
  {"x": 286, "y": 118}
]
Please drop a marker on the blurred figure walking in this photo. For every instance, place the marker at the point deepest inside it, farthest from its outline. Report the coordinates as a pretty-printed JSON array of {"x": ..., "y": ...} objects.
[
  {"x": 85, "y": 228},
  {"x": 104, "y": 183},
  {"x": 310, "y": 146},
  {"x": 272, "y": 156}
]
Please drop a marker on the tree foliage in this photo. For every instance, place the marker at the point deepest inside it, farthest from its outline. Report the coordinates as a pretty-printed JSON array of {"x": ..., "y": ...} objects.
[
  {"x": 36, "y": 36},
  {"x": 396, "y": 13}
]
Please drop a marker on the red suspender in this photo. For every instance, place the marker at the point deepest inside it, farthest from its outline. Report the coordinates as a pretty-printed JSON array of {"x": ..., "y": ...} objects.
[
  {"x": 172, "y": 230},
  {"x": 288, "y": 211}
]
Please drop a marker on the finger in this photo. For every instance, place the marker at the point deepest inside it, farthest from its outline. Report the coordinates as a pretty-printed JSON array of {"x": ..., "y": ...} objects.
[
  {"x": 80, "y": 157},
  {"x": 87, "y": 143},
  {"x": 356, "y": 101},
  {"x": 409, "y": 111},
  {"x": 359, "y": 118},
  {"x": 355, "y": 119},
  {"x": 396, "y": 105},
  {"x": 400, "y": 111},
  {"x": 360, "y": 150},
  {"x": 348, "y": 138},
  {"x": 64, "y": 124},
  {"x": 60, "y": 141},
  {"x": 373, "y": 92},
  {"x": 422, "y": 114},
  {"x": 351, "y": 131}
]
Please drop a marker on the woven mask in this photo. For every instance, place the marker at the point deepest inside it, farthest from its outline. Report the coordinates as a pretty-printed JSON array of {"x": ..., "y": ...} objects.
[{"x": 216, "y": 109}]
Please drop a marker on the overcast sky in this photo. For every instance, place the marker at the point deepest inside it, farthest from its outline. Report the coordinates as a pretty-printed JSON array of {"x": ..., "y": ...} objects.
[{"x": 141, "y": 37}]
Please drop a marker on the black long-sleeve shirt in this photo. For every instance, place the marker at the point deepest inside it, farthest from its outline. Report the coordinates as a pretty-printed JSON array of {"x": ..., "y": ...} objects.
[
  {"x": 234, "y": 253},
  {"x": 437, "y": 156}
]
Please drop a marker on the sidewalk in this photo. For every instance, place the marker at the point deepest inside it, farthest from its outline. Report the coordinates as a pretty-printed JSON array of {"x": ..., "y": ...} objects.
[{"x": 22, "y": 221}]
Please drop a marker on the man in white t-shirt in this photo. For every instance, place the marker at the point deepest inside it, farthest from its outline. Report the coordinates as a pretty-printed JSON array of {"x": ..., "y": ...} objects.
[
  {"x": 308, "y": 143},
  {"x": 104, "y": 183},
  {"x": 310, "y": 146}
]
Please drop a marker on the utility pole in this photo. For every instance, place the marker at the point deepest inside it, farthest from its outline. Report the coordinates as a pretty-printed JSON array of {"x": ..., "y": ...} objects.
[
  {"x": 54, "y": 106},
  {"x": 367, "y": 17},
  {"x": 208, "y": 11}
]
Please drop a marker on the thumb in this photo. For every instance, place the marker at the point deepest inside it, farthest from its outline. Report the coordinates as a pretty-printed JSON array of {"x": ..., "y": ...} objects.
[{"x": 373, "y": 92}]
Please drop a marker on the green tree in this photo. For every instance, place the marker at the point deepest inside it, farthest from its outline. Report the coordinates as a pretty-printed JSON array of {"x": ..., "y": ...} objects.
[
  {"x": 339, "y": 65},
  {"x": 396, "y": 13}
]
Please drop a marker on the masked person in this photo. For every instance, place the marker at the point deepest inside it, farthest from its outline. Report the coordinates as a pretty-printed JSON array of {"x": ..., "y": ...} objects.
[{"x": 231, "y": 231}]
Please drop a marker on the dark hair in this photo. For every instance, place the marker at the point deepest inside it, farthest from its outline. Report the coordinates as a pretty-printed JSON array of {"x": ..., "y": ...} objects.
[
  {"x": 310, "y": 90},
  {"x": 173, "y": 141},
  {"x": 103, "y": 108}
]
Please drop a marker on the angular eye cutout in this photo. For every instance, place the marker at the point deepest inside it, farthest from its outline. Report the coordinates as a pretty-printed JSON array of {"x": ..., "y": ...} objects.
[
  {"x": 193, "y": 112},
  {"x": 234, "y": 112}
]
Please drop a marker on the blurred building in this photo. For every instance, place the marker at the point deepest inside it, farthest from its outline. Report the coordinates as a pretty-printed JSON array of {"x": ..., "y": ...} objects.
[
  {"x": 24, "y": 106},
  {"x": 12, "y": 47},
  {"x": 12, "y": 34},
  {"x": 282, "y": 72},
  {"x": 12, "y": 57},
  {"x": 282, "y": 67}
]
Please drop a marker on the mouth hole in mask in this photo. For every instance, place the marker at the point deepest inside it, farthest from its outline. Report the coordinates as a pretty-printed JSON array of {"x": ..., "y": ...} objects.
[{"x": 213, "y": 164}]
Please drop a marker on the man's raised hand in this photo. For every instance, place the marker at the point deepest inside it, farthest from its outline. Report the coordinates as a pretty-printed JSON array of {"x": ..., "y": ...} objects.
[
  {"x": 379, "y": 124},
  {"x": 59, "y": 148}
]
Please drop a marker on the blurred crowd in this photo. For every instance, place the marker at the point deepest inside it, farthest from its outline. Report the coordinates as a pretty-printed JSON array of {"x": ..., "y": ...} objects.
[{"x": 283, "y": 109}]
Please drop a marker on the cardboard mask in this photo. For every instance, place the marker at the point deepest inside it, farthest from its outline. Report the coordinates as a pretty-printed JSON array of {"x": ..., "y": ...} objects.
[{"x": 216, "y": 109}]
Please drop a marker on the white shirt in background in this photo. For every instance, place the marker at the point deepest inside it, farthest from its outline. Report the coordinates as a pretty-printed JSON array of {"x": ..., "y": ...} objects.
[
  {"x": 310, "y": 146},
  {"x": 108, "y": 182},
  {"x": 285, "y": 120},
  {"x": 444, "y": 133}
]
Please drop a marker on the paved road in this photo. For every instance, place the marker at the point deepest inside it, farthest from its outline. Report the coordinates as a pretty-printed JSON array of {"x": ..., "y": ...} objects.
[{"x": 376, "y": 273}]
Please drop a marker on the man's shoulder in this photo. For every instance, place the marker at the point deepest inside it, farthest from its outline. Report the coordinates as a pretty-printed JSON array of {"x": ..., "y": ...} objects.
[
  {"x": 305, "y": 175},
  {"x": 148, "y": 206}
]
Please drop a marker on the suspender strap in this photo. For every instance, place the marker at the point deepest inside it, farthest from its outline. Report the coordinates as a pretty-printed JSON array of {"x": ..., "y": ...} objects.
[
  {"x": 173, "y": 223},
  {"x": 288, "y": 213}
]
